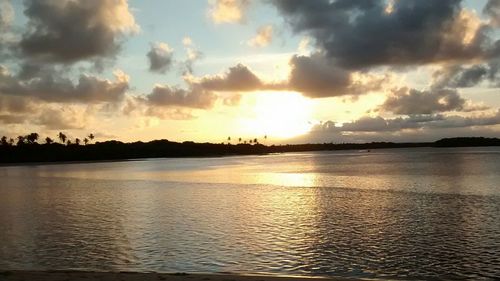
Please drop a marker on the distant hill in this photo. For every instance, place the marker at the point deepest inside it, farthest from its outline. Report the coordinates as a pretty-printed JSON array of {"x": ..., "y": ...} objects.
[
  {"x": 460, "y": 142},
  {"x": 116, "y": 150}
]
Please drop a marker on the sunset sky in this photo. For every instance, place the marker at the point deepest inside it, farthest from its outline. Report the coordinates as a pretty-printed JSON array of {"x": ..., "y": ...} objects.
[{"x": 295, "y": 71}]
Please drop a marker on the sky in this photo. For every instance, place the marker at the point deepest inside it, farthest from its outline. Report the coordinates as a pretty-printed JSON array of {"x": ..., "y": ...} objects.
[{"x": 281, "y": 71}]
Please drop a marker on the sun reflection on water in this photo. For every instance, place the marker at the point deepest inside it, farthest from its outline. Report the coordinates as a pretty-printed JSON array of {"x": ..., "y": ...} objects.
[{"x": 288, "y": 179}]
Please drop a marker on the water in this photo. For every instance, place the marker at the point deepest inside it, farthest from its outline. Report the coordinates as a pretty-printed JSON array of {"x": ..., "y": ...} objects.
[{"x": 403, "y": 213}]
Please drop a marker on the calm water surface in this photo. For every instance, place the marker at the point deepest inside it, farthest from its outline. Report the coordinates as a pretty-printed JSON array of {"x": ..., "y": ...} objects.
[{"x": 403, "y": 213}]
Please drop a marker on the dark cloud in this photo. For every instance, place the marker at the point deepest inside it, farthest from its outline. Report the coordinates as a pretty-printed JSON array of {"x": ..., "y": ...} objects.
[
  {"x": 356, "y": 34},
  {"x": 160, "y": 58},
  {"x": 15, "y": 104},
  {"x": 12, "y": 119},
  {"x": 51, "y": 86},
  {"x": 410, "y": 101},
  {"x": 462, "y": 76},
  {"x": 66, "y": 31},
  {"x": 59, "y": 119},
  {"x": 316, "y": 77},
  {"x": 237, "y": 78},
  {"x": 310, "y": 75},
  {"x": 25, "y": 110},
  {"x": 492, "y": 9},
  {"x": 173, "y": 107},
  {"x": 166, "y": 96}
]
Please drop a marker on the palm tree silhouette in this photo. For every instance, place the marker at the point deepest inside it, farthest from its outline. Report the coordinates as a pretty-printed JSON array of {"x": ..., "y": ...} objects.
[
  {"x": 85, "y": 141},
  {"x": 62, "y": 137},
  {"x": 32, "y": 138},
  {"x": 20, "y": 140},
  {"x": 91, "y": 137},
  {"x": 77, "y": 141},
  {"x": 4, "y": 140},
  {"x": 48, "y": 140},
  {"x": 239, "y": 140}
]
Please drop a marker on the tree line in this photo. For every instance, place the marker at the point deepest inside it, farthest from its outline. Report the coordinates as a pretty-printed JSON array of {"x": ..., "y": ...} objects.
[
  {"x": 27, "y": 148},
  {"x": 33, "y": 138}
]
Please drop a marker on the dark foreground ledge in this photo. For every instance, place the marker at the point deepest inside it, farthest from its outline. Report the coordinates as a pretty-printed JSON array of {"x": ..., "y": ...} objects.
[{"x": 135, "y": 276}]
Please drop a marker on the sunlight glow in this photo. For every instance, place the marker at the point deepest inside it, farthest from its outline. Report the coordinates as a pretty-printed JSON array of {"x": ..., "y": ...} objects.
[{"x": 279, "y": 115}]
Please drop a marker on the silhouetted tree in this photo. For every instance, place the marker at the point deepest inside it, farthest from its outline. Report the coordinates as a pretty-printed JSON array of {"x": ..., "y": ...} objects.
[
  {"x": 20, "y": 140},
  {"x": 239, "y": 140},
  {"x": 85, "y": 141},
  {"x": 91, "y": 137},
  {"x": 68, "y": 142},
  {"x": 255, "y": 141},
  {"x": 77, "y": 141},
  {"x": 48, "y": 140},
  {"x": 3, "y": 141},
  {"x": 62, "y": 137},
  {"x": 11, "y": 141},
  {"x": 32, "y": 138}
]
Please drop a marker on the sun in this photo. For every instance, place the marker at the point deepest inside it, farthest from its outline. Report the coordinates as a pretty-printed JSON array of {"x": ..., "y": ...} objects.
[{"x": 279, "y": 115}]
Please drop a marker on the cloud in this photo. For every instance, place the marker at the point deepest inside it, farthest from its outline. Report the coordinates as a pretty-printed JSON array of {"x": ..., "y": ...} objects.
[
  {"x": 15, "y": 104},
  {"x": 228, "y": 11},
  {"x": 14, "y": 110},
  {"x": 60, "y": 119},
  {"x": 359, "y": 34},
  {"x": 26, "y": 110},
  {"x": 8, "y": 38},
  {"x": 410, "y": 101},
  {"x": 316, "y": 77},
  {"x": 193, "y": 54},
  {"x": 310, "y": 75},
  {"x": 402, "y": 129},
  {"x": 263, "y": 37},
  {"x": 12, "y": 119},
  {"x": 52, "y": 86},
  {"x": 141, "y": 106},
  {"x": 237, "y": 78},
  {"x": 464, "y": 76},
  {"x": 436, "y": 121},
  {"x": 67, "y": 31},
  {"x": 160, "y": 57},
  {"x": 6, "y": 14},
  {"x": 166, "y": 96},
  {"x": 492, "y": 9}
]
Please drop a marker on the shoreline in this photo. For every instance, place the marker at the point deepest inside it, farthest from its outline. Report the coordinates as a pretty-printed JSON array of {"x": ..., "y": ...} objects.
[
  {"x": 64, "y": 275},
  {"x": 35, "y": 153}
]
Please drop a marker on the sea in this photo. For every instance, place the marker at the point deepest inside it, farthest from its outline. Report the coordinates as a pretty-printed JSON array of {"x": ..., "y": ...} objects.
[{"x": 409, "y": 214}]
